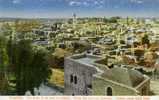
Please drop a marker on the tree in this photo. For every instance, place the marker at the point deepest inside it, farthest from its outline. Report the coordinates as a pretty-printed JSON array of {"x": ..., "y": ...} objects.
[
  {"x": 3, "y": 65},
  {"x": 41, "y": 67},
  {"x": 3, "y": 52},
  {"x": 145, "y": 39},
  {"x": 6, "y": 29},
  {"x": 113, "y": 20},
  {"x": 23, "y": 60},
  {"x": 105, "y": 20},
  {"x": 70, "y": 21},
  {"x": 30, "y": 65}
]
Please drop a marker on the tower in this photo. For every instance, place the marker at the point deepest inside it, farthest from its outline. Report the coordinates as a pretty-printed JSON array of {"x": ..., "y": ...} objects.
[
  {"x": 127, "y": 20},
  {"x": 132, "y": 45},
  {"x": 74, "y": 20},
  {"x": 118, "y": 42}
]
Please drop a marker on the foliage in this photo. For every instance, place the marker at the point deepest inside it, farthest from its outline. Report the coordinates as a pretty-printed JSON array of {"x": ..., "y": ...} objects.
[
  {"x": 30, "y": 65},
  {"x": 3, "y": 52},
  {"x": 145, "y": 39},
  {"x": 70, "y": 21},
  {"x": 3, "y": 65},
  {"x": 111, "y": 20},
  {"x": 6, "y": 29}
]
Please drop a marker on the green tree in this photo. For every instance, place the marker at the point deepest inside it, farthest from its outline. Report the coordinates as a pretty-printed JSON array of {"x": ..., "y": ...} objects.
[
  {"x": 145, "y": 39},
  {"x": 114, "y": 19},
  {"x": 3, "y": 52},
  {"x": 6, "y": 29},
  {"x": 22, "y": 62},
  {"x": 41, "y": 67},
  {"x": 3, "y": 65},
  {"x": 70, "y": 21},
  {"x": 105, "y": 20},
  {"x": 30, "y": 65}
]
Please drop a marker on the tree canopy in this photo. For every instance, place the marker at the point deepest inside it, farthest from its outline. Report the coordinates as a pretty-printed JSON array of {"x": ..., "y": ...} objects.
[{"x": 30, "y": 66}]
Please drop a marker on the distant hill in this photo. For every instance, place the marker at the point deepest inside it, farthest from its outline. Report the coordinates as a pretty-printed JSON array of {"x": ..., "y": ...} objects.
[{"x": 52, "y": 20}]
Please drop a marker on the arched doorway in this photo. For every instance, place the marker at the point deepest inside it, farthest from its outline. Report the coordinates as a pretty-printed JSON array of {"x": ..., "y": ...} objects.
[{"x": 109, "y": 91}]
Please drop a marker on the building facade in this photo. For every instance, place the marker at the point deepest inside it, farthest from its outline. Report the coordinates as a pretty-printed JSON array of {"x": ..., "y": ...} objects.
[{"x": 86, "y": 75}]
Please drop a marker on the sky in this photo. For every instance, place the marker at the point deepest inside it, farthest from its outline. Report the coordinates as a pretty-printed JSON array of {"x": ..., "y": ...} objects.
[{"x": 82, "y": 8}]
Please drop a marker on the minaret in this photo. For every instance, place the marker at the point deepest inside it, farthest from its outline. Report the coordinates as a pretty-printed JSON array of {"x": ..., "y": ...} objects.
[
  {"x": 132, "y": 45},
  {"x": 127, "y": 20},
  {"x": 118, "y": 42},
  {"x": 74, "y": 20}
]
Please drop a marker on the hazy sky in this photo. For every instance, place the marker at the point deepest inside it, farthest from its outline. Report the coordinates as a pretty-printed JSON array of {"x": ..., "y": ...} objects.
[{"x": 83, "y": 8}]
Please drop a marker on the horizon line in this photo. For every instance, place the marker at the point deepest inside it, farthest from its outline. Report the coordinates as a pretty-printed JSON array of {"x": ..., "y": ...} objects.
[{"x": 77, "y": 17}]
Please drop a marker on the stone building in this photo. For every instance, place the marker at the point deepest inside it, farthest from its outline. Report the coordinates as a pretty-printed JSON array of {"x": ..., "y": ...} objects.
[
  {"x": 92, "y": 75},
  {"x": 78, "y": 75}
]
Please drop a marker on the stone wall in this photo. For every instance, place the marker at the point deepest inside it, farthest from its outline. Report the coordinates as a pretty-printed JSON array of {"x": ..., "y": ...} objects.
[
  {"x": 100, "y": 88},
  {"x": 84, "y": 75}
]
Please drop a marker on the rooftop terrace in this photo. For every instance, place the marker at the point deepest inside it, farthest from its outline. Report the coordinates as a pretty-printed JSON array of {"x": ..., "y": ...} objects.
[{"x": 86, "y": 59}]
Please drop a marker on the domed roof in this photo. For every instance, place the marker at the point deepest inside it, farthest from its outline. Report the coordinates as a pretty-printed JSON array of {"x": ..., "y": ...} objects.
[{"x": 125, "y": 76}]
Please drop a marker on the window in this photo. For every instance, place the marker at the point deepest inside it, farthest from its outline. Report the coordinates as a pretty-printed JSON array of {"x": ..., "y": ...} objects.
[
  {"x": 109, "y": 91},
  {"x": 75, "y": 79},
  {"x": 111, "y": 66},
  {"x": 71, "y": 78},
  {"x": 89, "y": 86}
]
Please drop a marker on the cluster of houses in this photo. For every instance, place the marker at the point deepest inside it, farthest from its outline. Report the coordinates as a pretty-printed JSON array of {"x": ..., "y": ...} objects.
[
  {"x": 115, "y": 61},
  {"x": 106, "y": 58},
  {"x": 126, "y": 66}
]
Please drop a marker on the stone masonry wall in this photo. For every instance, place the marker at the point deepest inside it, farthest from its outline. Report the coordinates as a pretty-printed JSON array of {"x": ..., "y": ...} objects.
[
  {"x": 84, "y": 75},
  {"x": 100, "y": 88}
]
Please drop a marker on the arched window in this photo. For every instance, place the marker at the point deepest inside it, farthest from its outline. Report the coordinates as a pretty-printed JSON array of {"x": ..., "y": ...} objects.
[
  {"x": 75, "y": 79},
  {"x": 71, "y": 78},
  {"x": 109, "y": 91}
]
